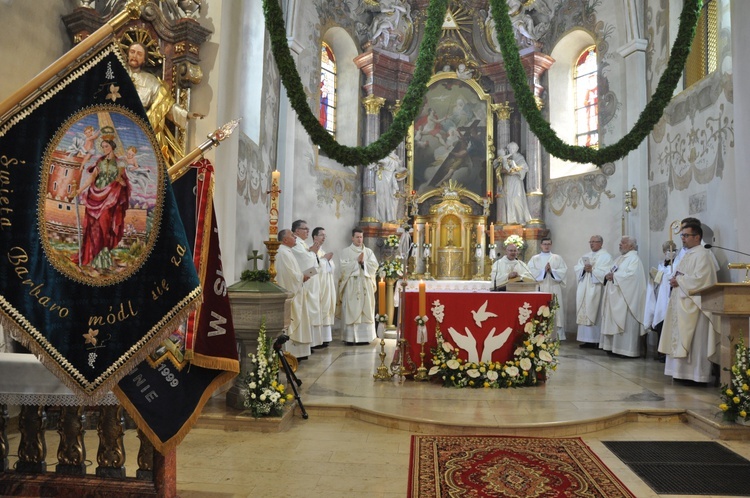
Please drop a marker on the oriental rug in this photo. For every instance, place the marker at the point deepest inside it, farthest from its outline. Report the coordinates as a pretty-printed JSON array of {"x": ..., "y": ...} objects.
[{"x": 494, "y": 466}]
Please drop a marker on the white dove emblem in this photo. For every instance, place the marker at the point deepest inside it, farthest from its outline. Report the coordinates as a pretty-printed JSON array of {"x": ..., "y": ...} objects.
[{"x": 482, "y": 314}]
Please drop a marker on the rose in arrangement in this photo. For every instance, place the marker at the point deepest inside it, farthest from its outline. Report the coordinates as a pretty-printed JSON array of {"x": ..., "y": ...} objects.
[{"x": 516, "y": 241}]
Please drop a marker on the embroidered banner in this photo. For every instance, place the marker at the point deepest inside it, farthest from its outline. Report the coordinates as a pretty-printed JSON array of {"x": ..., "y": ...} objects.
[
  {"x": 166, "y": 393},
  {"x": 95, "y": 269}
]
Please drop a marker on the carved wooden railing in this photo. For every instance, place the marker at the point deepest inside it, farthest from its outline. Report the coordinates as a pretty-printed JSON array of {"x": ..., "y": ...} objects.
[{"x": 156, "y": 474}]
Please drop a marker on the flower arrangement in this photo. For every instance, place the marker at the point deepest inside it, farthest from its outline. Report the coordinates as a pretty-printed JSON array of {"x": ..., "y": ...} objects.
[
  {"x": 516, "y": 241},
  {"x": 266, "y": 396},
  {"x": 393, "y": 268},
  {"x": 735, "y": 396},
  {"x": 391, "y": 241},
  {"x": 534, "y": 358}
]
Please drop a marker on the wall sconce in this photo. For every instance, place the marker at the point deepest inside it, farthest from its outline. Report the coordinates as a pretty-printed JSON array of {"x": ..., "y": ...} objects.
[{"x": 631, "y": 199}]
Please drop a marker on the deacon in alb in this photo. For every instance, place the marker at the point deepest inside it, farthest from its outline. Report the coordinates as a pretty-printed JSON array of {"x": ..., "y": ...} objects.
[
  {"x": 624, "y": 302},
  {"x": 590, "y": 271},
  {"x": 357, "y": 290},
  {"x": 290, "y": 277},
  {"x": 549, "y": 270}
]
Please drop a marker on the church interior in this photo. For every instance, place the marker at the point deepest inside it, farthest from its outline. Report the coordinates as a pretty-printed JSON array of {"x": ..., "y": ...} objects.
[{"x": 469, "y": 173}]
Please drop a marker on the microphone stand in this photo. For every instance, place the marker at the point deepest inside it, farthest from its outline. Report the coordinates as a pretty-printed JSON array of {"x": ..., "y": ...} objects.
[{"x": 711, "y": 246}]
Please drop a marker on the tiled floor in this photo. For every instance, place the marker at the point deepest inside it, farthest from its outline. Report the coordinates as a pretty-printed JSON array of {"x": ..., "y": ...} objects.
[{"x": 356, "y": 440}]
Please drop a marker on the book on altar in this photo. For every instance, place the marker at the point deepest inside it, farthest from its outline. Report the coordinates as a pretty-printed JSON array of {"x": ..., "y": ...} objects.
[
  {"x": 310, "y": 272},
  {"x": 520, "y": 286}
]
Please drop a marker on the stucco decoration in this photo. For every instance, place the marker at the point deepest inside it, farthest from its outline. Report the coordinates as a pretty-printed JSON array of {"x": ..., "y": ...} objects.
[
  {"x": 270, "y": 109},
  {"x": 657, "y": 215},
  {"x": 657, "y": 51},
  {"x": 334, "y": 187},
  {"x": 583, "y": 191},
  {"x": 697, "y": 203},
  {"x": 698, "y": 153},
  {"x": 252, "y": 173}
]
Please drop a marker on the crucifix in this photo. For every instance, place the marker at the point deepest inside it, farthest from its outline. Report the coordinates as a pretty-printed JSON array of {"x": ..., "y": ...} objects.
[{"x": 255, "y": 257}]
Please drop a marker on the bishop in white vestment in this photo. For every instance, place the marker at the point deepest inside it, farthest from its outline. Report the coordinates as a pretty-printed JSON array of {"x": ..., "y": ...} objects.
[
  {"x": 624, "y": 302},
  {"x": 590, "y": 271},
  {"x": 290, "y": 277},
  {"x": 549, "y": 270},
  {"x": 357, "y": 291},
  {"x": 688, "y": 338}
]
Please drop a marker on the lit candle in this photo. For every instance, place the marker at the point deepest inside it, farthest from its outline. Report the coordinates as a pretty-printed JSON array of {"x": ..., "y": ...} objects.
[
  {"x": 489, "y": 194},
  {"x": 492, "y": 233},
  {"x": 427, "y": 233},
  {"x": 381, "y": 297},
  {"x": 422, "y": 299},
  {"x": 273, "y": 208}
]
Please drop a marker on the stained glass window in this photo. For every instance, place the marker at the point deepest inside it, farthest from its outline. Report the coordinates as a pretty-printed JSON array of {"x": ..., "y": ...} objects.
[
  {"x": 587, "y": 99},
  {"x": 327, "y": 114}
]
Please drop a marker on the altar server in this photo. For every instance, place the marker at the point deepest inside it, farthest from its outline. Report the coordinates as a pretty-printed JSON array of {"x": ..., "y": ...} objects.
[
  {"x": 326, "y": 270},
  {"x": 549, "y": 270},
  {"x": 657, "y": 295},
  {"x": 290, "y": 277}
]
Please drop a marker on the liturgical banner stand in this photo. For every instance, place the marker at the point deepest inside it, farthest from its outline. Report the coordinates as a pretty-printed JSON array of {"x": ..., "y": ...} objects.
[{"x": 732, "y": 303}]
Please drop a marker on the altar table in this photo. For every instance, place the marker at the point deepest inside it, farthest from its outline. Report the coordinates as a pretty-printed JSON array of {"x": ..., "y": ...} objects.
[{"x": 460, "y": 310}]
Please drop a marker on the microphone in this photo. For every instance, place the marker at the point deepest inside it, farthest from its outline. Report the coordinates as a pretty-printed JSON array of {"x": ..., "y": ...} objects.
[
  {"x": 279, "y": 342},
  {"x": 712, "y": 246}
]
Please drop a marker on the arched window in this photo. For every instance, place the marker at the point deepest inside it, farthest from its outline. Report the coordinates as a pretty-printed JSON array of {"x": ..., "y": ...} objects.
[
  {"x": 703, "y": 58},
  {"x": 327, "y": 114},
  {"x": 586, "y": 99}
]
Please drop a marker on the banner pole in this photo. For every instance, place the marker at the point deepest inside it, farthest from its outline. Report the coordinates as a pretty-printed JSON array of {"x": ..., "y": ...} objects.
[{"x": 41, "y": 81}]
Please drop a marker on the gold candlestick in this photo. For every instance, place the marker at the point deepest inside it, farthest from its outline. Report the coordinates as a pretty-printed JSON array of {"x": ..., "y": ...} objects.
[
  {"x": 382, "y": 372},
  {"x": 421, "y": 374},
  {"x": 273, "y": 247}
]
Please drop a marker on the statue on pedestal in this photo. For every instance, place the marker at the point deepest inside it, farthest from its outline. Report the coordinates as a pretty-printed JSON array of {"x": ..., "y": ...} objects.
[{"x": 511, "y": 168}]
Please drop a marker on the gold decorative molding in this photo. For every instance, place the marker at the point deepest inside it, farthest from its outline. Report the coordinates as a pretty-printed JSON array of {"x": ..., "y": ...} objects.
[
  {"x": 395, "y": 107},
  {"x": 539, "y": 102},
  {"x": 502, "y": 111},
  {"x": 373, "y": 104}
]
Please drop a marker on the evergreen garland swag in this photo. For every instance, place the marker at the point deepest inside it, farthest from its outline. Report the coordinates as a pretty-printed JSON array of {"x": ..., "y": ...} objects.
[{"x": 413, "y": 99}]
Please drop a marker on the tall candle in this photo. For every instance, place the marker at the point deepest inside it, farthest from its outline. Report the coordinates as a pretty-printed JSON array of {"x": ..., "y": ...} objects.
[
  {"x": 427, "y": 233},
  {"x": 422, "y": 299},
  {"x": 480, "y": 233},
  {"x": 381, "y": 297},
  {"x": 415, "y": 236},
  {"x": 273, "y": 228},
  {"x": 492, "y": 233}
]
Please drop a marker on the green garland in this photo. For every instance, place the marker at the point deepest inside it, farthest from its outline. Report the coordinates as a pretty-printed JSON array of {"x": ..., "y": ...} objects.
[
  {"x": 646, "y": 121},
  {"x": 410, "y": 105},
  {"x": 412, "y": 102}
]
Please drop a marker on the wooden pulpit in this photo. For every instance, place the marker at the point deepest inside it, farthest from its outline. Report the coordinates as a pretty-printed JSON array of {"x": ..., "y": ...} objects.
[{"x": 730, "y": 301}]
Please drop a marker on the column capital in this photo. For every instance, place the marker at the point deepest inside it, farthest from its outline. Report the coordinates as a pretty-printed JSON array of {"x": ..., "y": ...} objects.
[
  {"x": 373, "y": 104},
  {"x": 502, "y": 111}
]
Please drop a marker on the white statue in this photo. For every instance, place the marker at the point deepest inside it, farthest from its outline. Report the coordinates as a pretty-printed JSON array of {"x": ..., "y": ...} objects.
[
  {"x": 387, "y": 171},
  {"x": 513, "y": 168},
  {"x": 388, "y": 21}
]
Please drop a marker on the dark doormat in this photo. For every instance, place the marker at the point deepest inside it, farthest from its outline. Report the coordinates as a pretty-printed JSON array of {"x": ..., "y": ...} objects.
[{"x": 685, "y": 467}]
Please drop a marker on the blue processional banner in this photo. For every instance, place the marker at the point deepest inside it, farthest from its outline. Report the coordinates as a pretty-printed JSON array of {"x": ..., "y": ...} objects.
[{"x": 95, "y": 269}]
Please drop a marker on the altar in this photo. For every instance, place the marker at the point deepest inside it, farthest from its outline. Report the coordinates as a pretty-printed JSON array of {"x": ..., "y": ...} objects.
[{"x": 475, "y": 320}]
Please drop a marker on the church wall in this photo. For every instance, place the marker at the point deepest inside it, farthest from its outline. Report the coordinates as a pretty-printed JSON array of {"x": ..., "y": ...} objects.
[
  {"x": 691, "y": 154},
  {"x": 586, "y": 204}
]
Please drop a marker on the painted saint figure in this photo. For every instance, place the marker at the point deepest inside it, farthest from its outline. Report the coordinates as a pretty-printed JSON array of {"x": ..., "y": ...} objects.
[{"x": 106, "y": 195}]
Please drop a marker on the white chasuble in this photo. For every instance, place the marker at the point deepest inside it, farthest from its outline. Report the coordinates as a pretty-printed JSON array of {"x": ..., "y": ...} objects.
[
  {"x": 622, "y": 309},
  {"x": 357, "y": 294}
]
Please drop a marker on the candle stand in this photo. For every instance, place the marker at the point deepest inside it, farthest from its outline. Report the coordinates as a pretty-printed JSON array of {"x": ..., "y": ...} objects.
[
  {"x": 273, "y": 247},
  {"x": 421, "y": 374}
]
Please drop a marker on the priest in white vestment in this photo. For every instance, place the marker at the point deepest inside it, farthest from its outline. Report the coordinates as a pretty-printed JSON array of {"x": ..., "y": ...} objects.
[
  {"x": 624, "y": 302},
  {"x": 549, "y": 270},
  {"x": 510, "y": 268},
  {"x": 357, "y": 291},
  {"x": 307, "y": 260},
  {"x": 326, "y": 271},
  {"x": 688, "y": 338},
  {"x": 290, "y": 277},
  {"x": 590, "y": 271}
]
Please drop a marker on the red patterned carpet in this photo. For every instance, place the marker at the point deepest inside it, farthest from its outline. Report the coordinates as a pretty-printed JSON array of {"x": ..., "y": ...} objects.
[{"x": 522, "y": 467}]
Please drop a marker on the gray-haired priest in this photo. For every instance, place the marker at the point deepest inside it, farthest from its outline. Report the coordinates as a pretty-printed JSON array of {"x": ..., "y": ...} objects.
[{"x": 291, "y": 278}]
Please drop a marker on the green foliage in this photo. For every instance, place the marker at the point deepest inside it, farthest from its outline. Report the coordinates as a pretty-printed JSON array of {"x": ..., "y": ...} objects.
[
  {"x": 256, "y": 276},
  {"x": 412, "y": 101}
]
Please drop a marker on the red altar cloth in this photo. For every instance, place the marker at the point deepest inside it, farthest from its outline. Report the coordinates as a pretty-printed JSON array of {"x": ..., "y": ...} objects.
[{"x": 459, "y": 308}]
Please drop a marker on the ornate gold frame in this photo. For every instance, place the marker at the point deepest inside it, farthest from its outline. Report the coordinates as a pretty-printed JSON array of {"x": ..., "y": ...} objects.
[{"x": 490, "y": 140}]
